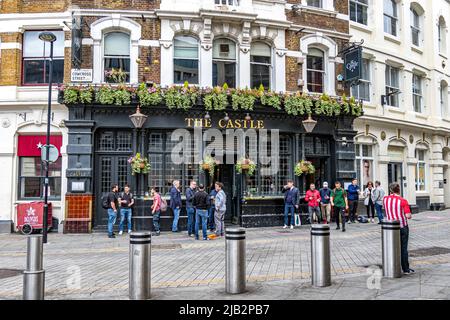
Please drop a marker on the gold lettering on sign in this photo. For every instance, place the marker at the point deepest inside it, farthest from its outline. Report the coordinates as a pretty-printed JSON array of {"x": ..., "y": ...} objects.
[{"x": 225, "y": 124}]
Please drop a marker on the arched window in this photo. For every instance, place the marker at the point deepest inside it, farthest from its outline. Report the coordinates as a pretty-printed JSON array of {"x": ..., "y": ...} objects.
[
  {"x": 415, "y": 27},
  {"x": 185, "y": 61},
  {"x": 260, "y": 65},
  {"x": 116, "y": 55},
  {"x": 315, "y": 70},
  {"x": 224, "y": 63},
  {"x": 444, "y": 99},
  {"x": 442, "y": 35}
]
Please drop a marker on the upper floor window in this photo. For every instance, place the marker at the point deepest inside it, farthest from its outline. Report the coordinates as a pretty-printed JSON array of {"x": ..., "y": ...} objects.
[
  {"x": 362, "y": 90},
  {"x": 442, "y": 35},
  {"x": 224, "y": 63},
  {"x": 358, "y": 11},
  {"x": 364, "y": 163},
  {"x": 415, "y": 27},
  {"x": 36, "y": 58},
  {"x": 116, "y": 56},
  {"x": 392, "y": 85},
  {"x": 315, "y": 3},
  {"x": 185, "y": 60},
  {"x": 417, "y": 93},
  {"x": 227, "y": 2},
  {"x": 390, "y": 17},
  {"x": 260, "y": 65},
  {"x": 315, "y": 70},
  {"x": 444, "y": 99}
]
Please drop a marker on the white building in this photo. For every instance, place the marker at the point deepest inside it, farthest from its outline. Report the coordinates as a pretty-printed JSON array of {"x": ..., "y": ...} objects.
[{"x": 407, "y": 139}]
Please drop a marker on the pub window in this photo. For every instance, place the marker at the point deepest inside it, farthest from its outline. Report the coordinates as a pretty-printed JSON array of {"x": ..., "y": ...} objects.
[
  {"x": 358, "y": 11},
  {"x": 417, "y": 93},
  {"x": 442, "y": 36},
  {"x": 362, "y": 90},
  {"x": 444, "y": 99},
  {"x": 260, "y": 65},
  {"x": 315, "y": 70},
  {"x": 224, "y": 63},
  {"x": 164, "y": 170},
  {"x": 315, "y": 3},
  {"x": 116, "y": 55},
  {"x": 392, "y": 76},
  {"x": 32, "y": 175},
  {"x": 36, "y": 58},
  {"x": 420, "y": 171},
  {"x": 364, "y": 163},
  {"x": 390, "y": 17},
  {"x": 185, "y": 60},
  {"x": 415, "y": 27}
]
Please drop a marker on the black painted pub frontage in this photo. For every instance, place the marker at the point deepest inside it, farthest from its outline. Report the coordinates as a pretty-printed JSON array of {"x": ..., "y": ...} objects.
[{"x": 102, "y": 139}]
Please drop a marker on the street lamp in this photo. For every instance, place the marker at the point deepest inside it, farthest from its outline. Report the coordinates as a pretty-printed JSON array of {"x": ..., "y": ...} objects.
[
  {"x": 309, "y": 124},
  {"x": 51, "y": 38},
  {"x": 138, "y": 119}
]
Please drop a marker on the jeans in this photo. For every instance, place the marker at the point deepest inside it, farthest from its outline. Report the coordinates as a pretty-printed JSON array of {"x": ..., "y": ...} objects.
[
  {"x": 203, "y": 215},
  {"x": 111, "y": 220},
  {"x": 404, "y": 236},
  {"x": 379, "y": 209},
  {"x": 370, "y": 208},
  {"x": 211, "y": 218},
  {"x": 125, "y": 212},
  {"x": 314, "y": 214},
  {"x": 176, "y": 216},
  {"x": 191, "y": 220},
  {"x": 339, "y": 214},
  {"x": 219, "y": 217},
  {"x": 353, "y": 204},
  {"x": 156, "y": 218},
  {"x": 326, "y": 212},
  {"x": 289, "y": 208}
]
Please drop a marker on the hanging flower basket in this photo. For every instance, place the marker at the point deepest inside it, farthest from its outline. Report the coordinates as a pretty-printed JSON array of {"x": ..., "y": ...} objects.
[
  {"x": 246, "y": 166},
  {"x": 304, "y": 167},
  {"x": 139, "y": 165},
  {"x": 208, "y": 164}
]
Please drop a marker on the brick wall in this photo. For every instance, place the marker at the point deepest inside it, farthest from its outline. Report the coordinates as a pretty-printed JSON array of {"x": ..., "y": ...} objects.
[{"x": 10, "y": 61}]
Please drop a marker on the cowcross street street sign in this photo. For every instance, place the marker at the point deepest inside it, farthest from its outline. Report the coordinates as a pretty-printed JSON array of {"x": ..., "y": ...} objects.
[
  {"x": 52, "y": 155},
  {"x": 353, "y": 65}
]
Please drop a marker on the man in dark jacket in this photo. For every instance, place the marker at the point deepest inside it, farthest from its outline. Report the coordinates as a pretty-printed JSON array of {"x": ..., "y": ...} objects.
[
  {"x": 212, "y": 196},
  {"x": 113, "y": 206},
  {"x": 200, "y": 202},
  {"x": 175, "y": 203},
  {"x": 190, "y": 193},
  {"x": 353, "y": 192},
  {"x": 291, "y": 200}
]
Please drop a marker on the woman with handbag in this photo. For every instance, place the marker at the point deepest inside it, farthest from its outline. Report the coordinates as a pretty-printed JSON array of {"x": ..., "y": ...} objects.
[{"x": 368, "y": 202}]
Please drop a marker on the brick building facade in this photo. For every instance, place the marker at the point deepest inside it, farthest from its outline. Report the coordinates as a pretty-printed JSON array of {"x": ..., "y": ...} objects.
[{"x": 296, "y": 34}]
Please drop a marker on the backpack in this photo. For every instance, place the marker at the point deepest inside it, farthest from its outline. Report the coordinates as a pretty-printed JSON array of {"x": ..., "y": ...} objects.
[
  {"x": 163, "y": 206},
  {"x": 363, "y": 219},
  {"x": 105, "y": 202}
]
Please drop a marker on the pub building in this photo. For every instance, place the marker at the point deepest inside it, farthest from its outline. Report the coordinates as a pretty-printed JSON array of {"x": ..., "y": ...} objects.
[{"x": 102, "y": 138}]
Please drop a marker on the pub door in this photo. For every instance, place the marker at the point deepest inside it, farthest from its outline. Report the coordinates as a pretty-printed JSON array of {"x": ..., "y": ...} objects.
[
  {"x": 113, "y": 150},
  {"x": 225, "y": 174},
  {"x": 395, "y": 174}
]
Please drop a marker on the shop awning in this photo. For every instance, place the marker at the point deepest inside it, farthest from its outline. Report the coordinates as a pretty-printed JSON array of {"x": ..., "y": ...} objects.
[{"x": 30, "y": 146}]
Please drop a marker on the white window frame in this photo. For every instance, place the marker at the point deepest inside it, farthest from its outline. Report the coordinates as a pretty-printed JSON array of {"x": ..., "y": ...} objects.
[
  {"x": 360, "y": 159},
  {"x": 365, "y": 81},
  {"x": 358, "y": 3},
  {"x": 421, "y": 164},
  {"x": 174, "y": 57},
  {"x": 417, "y": 92},
  {"x": 392, "y": 17},
  {"x": 416, "y": 28},
  {"x": 325, "y": 5},
  {"x": 443, "y": 97},
  {"x": 264, "y": 64},
  {"x": 388, "y": 84},
  {"x": 442, "y": 36}
]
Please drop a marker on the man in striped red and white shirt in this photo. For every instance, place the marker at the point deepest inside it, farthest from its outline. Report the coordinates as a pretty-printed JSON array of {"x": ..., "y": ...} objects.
[{"x": 398, "y": 209}]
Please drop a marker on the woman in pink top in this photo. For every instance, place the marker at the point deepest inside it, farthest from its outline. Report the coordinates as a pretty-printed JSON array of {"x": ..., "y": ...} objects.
[{"x": 156, "y": 210}]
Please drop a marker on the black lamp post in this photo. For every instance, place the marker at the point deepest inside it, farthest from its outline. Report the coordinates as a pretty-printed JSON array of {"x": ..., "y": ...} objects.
[
  {"x": 50, "y": 38},
  {"x": 309, "y": 125},
  {"x": 138, "y": 119}
]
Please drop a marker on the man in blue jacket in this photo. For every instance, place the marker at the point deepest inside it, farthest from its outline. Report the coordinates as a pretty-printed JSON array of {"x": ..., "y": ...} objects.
[
  {"x": 175, "y": 203},
  {"x": 353, "y": 198},
  {"x": 190, "y": 193},
  {"x": 291, "y": 200}
]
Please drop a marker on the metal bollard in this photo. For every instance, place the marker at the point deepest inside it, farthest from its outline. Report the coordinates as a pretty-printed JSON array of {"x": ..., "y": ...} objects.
[
  {"x": 320, "y": 255},
  {"x": 235, "y": 277},
  {"x": 391, "y": 247},
  {"x": 140, "y": 265},
  {"x": 34, "y": 275}
]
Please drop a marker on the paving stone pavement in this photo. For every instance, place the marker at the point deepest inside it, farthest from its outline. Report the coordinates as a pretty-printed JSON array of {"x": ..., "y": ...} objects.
[{"x": 278, "y": 265}]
